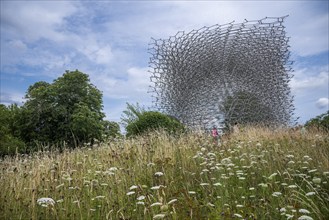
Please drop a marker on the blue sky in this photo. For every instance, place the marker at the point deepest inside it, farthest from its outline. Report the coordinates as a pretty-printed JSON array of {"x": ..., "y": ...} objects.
[{"x": 109, "y": 41}]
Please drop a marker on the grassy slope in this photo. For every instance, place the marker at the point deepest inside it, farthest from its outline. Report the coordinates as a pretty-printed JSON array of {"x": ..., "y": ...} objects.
[{"x": 256, "y": 174}]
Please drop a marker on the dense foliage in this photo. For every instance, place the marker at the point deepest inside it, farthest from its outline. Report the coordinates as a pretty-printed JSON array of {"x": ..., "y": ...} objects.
[
  {"x": 320, "y": 122},
  {"x": 9, "y": 138},
  {"x": 131, "y": 114},
  {"x": 152, "y": 121},
  {"x": 66, "y": 112}
]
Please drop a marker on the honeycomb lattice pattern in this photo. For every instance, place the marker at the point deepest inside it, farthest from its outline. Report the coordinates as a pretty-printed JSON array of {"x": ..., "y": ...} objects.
[{"x": 232, "y": 73}]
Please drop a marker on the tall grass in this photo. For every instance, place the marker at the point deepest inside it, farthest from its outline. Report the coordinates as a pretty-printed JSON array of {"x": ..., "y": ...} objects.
[{"x": 255, "y": 174}]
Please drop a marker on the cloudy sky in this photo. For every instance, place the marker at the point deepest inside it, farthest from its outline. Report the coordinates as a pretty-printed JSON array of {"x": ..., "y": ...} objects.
[{"x": 109, "y": 41}]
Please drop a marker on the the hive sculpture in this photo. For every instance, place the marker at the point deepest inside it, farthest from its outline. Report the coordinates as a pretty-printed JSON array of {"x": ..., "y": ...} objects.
[{"x": 224, "y": 74}]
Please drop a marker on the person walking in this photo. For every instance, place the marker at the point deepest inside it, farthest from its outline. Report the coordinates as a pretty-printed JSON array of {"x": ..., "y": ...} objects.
[{"x": 215, "y": 135}]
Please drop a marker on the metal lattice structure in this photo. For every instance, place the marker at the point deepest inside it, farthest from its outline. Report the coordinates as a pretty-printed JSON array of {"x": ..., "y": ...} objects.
[{"x": 232, "y": 73}]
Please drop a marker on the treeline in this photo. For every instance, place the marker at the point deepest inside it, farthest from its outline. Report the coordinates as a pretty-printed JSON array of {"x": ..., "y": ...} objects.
[{"x": 68, "y": 113}]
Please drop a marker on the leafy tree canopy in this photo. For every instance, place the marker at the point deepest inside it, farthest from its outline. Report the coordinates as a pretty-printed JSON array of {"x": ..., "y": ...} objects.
[
  {"x": 111, "y": 130},
  {"x": 9, "y": 142},
  {"x": 131, "y": 114},
  {"x": 69, "y": 109},
  {"x": 149, "y": 121},
  {"x": 320, "y": 122}
]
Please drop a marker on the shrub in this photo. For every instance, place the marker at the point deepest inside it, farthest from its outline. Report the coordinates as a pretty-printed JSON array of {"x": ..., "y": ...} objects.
[
  {"x": 150, "y": 121},
  {"x": 320, "y": 122}
]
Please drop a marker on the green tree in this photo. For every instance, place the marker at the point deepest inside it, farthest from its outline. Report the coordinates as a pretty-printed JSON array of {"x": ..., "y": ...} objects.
[
  {"x": 131, "y": 114},
  {"x": 149, "y": 121},
  {"x": 111, "y": 129},
  {"x": 69, "y": 109},
  {"x": 9, "y": 142},
  {"x": 320, "y": 122}
]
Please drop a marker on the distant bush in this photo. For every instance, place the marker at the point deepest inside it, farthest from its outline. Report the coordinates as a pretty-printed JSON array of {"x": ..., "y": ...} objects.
[
  {"x": 150, "y": 121},
  {"x": 320, "y": 122},
  {"x": 9, "y": 144}
]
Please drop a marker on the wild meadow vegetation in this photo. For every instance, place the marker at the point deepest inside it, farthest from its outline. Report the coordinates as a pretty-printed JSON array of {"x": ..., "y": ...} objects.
[{"x": 255, "y": 174}]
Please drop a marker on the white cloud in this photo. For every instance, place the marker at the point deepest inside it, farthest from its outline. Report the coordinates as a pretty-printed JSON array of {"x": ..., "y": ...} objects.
[
  {"x": 11, "y": 98},
  {"x": 309, "y": 78},
  {"x": 322, "y": 103},
  {"x": 311, "y": 35},
  {"x": 108, "y": 40},
  {"x": 131, "y": 86},
  {"x": 33, "y": 20}
]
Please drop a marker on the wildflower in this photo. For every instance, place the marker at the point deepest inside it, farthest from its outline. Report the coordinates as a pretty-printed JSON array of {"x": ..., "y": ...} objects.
[
  {"x": 164, "y": 208},
  {"x": 141, "y": 198},
  {"x": 291, "y": 162},
  {"x": 156, "y": 204},
  {"x": 292, "y": 186},
  {"x": 108, "y": 173},
  {"x": 289, "y": 216},
  {"x": 226, "y": 161},
  {"x": 130, "y": 193},
  {"x": 251, "y": 188},
  {"x": 60, "y": 201},
  {"x": 258, "y": 144},
  {"x": 113, "y": 169},
  {"x": 150, "y": 164},
  {"x": 305, "y": 217},
  {"x": 310, "y": 194},
  {"x": 239, "y": 206},
  {"x": 59, "y": 186},
  {"x": 217, "y": 184},
  {"x": 304, "y": 211},
  {"x": 46, "y": 201},
  {"x": 326, "y": 173},
  {"x": 140, "y": 203},
  {"x": 276, "y": 194},
  {"x": 157, "y": 187},
  {"x": 210, "y": 204},
  {"x": 264, "y": 185},
  {"x": 172, "y": 201},
  {"x": 159, "y": 216},
  {"x": 237, "y": 215},
  {"x": 272, "y": 175},
  {"x": 312, "y": 171},
  {"x": 283, "y": 210},
  {"x": 158, "y": 174},
  {"x": 133, "y": 187},
  {"x": 191, "y": 192},
  {"x": 316, "y": 180},
  {"x": 204, "y": 184}
]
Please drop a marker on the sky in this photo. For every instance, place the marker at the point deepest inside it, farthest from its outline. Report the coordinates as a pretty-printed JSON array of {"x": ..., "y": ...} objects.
[{"x": 109, "y": 41}]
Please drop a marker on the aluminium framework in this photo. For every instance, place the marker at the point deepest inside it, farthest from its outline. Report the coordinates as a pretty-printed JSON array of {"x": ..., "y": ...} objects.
[{"x": 224, "y": 74}]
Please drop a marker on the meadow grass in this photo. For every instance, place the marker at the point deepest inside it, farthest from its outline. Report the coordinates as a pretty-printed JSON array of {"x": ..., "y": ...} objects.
[{"x": 255, "y": 174}]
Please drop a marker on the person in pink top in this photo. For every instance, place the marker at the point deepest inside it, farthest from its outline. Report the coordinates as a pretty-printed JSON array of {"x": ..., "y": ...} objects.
[{"x": 215, "y": 135}]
